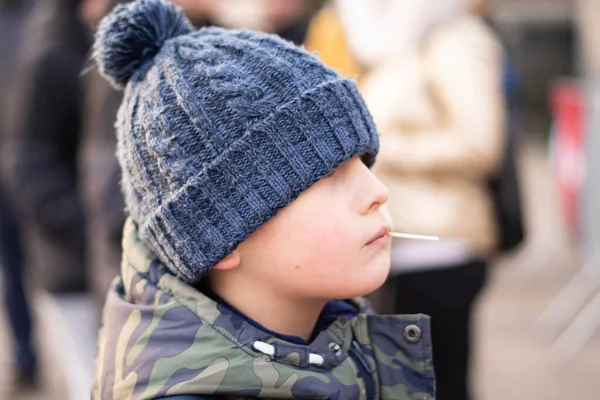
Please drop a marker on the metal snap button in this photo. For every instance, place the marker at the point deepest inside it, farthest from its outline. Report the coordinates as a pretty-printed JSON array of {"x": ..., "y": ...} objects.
[
  {"x": 412, "y": 333},
  {"x": 335, "y": 348}
]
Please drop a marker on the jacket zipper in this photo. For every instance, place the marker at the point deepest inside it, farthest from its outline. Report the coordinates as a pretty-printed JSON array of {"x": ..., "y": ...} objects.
[{"x": 365, "y": 369}]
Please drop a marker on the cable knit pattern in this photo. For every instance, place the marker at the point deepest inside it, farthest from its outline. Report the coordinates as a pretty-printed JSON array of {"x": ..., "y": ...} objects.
[{"x": 220, "y": 129}]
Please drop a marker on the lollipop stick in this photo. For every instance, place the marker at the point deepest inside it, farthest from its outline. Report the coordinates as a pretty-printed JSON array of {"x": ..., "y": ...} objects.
[{"x": 409, "y": 236}]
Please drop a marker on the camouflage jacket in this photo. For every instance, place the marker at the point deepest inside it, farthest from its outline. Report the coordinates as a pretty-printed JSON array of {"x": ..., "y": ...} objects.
[{"x": 162, "y": 337}]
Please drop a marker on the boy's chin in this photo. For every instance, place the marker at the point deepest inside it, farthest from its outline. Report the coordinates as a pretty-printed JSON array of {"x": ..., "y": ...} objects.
[{"x": 368, "y": 283}]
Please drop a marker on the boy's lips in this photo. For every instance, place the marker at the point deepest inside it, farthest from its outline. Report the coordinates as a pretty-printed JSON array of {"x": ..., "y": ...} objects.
[{"x": 380, "y": 236}]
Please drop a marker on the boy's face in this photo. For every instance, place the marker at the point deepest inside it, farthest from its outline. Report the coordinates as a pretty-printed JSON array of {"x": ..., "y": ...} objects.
[{"x": 330, "y": 243}]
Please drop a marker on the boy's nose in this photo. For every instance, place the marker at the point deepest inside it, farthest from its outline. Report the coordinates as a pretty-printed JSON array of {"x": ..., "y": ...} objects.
[{"x": 378, "y": 194}]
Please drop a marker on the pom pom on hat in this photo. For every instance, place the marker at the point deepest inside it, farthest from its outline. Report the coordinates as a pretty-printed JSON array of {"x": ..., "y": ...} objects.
[{"x": 133, "y": 34}]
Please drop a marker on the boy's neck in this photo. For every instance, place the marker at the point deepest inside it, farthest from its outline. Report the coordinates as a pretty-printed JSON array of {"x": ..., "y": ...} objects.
[{"x": 271, "y": 309}]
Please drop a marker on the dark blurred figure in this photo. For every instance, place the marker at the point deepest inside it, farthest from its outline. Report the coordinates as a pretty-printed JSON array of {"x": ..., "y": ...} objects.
[
  {"x": 103, "y": 202},
  {"x": 99, "y": 172},
  {"x": 42, "y": 110},
  {"x": 13, "y": 17},
  {"x": 15, "y": 299}
]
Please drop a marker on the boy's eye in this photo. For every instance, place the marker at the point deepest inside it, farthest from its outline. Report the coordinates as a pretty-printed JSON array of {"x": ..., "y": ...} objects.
[{"x": 368, "y": 160}]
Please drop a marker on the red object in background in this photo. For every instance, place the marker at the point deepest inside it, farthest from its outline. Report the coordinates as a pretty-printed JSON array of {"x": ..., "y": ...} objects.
[{"x": 569, "y": 152}]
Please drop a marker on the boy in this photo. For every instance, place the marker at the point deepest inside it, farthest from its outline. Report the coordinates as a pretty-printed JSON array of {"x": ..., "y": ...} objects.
[{"x": 246, "y": 175}]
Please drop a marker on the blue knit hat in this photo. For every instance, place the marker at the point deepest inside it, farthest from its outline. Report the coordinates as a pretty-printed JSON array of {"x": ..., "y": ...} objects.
[{"x": 220, "y": 129}]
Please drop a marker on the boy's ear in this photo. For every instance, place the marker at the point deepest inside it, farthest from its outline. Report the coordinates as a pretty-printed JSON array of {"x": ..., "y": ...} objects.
[{"x": 229, "y": 262}]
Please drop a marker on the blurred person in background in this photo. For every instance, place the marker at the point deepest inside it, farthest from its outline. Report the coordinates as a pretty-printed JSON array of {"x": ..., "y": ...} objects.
[
  {"x": 103, "y": 202},
  {"x": 13, "y": 17},
  {"x": 431, "y": 74},
  {"x": 42, "y": 116}
]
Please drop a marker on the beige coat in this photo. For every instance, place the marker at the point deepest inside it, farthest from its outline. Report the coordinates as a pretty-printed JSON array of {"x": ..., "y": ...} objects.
[{"x": 441, "y": 118}]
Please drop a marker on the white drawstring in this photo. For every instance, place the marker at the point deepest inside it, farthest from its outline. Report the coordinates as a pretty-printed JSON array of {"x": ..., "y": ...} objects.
[
  {"x": 268, "y": 349},
  {"x": 264, "y": 348}
]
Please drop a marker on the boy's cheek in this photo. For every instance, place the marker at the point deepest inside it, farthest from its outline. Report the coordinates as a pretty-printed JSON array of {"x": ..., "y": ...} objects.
[
  {"x": 334, "y": 228},
  {"x": 334, "y": 246}
]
